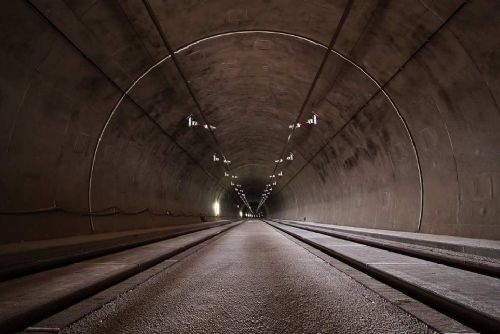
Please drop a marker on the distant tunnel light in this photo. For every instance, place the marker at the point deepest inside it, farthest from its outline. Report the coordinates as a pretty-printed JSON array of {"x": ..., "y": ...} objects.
[
  {"x": 241, "y": 213},
  {"x": 216, "y": 208}
]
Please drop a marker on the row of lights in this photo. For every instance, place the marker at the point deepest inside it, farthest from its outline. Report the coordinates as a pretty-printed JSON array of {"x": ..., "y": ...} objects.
[
  {"x": 237, "y": 187},
  {"x": 310, "y": 121},
  {"x": 313, "y": 120},
  {"x": 242, "y": 195},
  {"x": 192, "y": 123},
  {"x": 253, "y": 215}
]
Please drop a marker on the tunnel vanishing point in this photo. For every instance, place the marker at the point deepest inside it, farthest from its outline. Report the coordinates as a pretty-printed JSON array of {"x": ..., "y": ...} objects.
[{"x": 131, "y": 115}]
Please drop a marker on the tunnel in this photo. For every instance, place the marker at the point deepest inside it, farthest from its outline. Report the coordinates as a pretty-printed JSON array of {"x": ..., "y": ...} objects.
[
  {"x": 133, "y": 115},
  {"x": 94, "y": 109}
]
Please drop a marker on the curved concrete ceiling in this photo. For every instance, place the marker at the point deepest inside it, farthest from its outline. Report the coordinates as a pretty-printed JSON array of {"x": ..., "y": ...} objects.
[{"x": 93, "y": 113}]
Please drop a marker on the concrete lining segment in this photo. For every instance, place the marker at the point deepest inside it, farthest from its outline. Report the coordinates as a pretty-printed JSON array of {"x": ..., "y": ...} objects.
[
  {"x": 471, "y": 297},
  {"x": 30, "y": 298},
  {"x": 123, "y": 95}
]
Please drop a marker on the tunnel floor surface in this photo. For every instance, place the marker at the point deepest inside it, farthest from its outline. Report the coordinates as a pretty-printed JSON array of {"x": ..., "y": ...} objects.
[{"x": 252, "y": 279}]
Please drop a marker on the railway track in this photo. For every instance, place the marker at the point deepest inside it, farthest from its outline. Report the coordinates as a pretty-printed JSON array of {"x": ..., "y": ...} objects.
[{"x": 463, "y": 291}]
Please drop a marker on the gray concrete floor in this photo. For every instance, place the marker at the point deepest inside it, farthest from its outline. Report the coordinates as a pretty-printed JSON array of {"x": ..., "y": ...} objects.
[{"x": 250, "y": 280}]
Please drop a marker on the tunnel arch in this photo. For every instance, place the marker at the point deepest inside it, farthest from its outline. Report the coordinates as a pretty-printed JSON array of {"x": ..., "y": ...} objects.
[{"x": 279, "y": 33}]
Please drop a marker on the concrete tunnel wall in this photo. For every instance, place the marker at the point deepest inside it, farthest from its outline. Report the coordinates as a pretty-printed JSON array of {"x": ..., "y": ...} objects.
[{"x": 93, "y": 114}]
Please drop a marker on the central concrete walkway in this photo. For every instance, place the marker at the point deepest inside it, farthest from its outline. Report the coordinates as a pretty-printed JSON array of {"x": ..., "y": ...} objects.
[{"x": 250, "y": 280}]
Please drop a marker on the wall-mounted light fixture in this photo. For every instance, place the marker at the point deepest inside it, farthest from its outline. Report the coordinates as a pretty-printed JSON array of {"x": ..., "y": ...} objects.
[
  {"x": 310, "y": 121},
  {"x": 313, "y": 120},
  {"x": 216, "y": 208},
  {"x": 211, "y": 127},
  {"x": 193, "y": 123}
]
